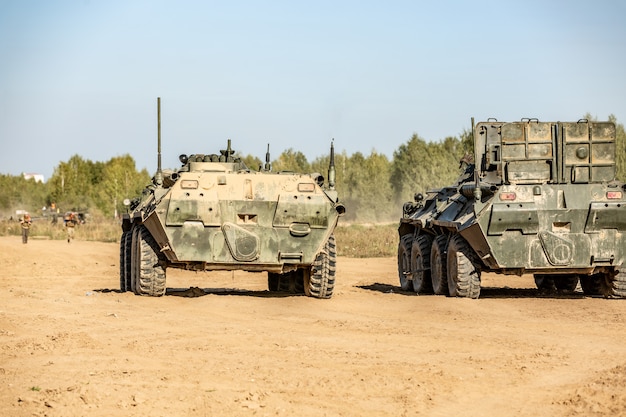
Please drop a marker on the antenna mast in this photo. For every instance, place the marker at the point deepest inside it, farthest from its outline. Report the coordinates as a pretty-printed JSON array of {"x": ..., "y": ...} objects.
[{"x": 159, "y": 174}]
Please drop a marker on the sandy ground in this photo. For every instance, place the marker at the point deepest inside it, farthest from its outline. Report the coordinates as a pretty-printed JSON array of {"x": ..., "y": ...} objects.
[{"x": 72, "y": 345}]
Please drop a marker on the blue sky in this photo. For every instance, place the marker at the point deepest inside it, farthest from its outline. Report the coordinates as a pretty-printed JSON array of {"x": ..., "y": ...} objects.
[{"x": 82, "y": 77}]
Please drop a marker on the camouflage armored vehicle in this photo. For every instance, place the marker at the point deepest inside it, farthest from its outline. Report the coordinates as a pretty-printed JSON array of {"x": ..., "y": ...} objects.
[
  {"x": 214, "y": 213},
  {"x": 541, "y": 199}
]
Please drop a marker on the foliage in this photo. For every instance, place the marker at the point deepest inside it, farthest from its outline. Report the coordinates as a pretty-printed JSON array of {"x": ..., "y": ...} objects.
[
  {"x": 18, "y": 193},
  {"x": 120, "y": 180},
  {"x": 419, "y": 166},
  {"x": 95, "y": 229},
  {"x": 367, "y": 193},
  {"x": 291, "y": 160},
  {"x": 252, "y": 162},
  {"x": 85, "y": 185},
  {"x": 367, "y": 241},
  {"x": 371, "y": 186},
  {"x": 353, "y": 240}
]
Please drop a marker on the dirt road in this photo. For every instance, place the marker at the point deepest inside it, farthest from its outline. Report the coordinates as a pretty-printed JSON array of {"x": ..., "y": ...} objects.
[{"x": 72, "y": 345}]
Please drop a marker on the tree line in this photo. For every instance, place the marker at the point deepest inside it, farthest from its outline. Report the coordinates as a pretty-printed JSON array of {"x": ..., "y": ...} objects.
[{"x": 372, "y": 187}]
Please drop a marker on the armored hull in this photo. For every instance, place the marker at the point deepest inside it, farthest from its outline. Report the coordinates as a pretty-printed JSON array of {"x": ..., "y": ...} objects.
[
  {"x": 214, "y": 213},
  {"x": 542, "y": 199}
]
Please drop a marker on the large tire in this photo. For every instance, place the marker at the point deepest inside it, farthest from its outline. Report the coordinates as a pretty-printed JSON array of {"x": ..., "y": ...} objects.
[
  {"x": 554, "y": 282},
  {"x": 614, "y": 284},
  {"x": 125, "y": 254},
  {"x": 298, "y": 278},
  {"x": 438, "y": 265},
  {"x": 291, "y": 282},
  {"x": 321, "y": 281},
  {"x": 148, "y": 274},
  {"x": 567, "y": 283},
  {"x": 273, "y": 281},
  {"x": 134, "y": 256},
  {"x": 420, "y": 264},
  {"x": 592, "y": 284},
  {"x": 404, "y": 262},
  {"x": 545, "y": 282},
  {"x": 463, "y": 270}
]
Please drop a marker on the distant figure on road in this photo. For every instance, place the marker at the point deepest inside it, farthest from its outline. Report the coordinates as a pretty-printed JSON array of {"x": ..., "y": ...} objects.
[
  {"x": 55, "y": 212},
  {"x": 70, "y": 222},
  {"x": 25, "y": 222}
]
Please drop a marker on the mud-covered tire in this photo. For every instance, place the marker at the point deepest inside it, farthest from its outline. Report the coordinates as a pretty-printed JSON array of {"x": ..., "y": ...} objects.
[
  {"x": 125, "y": 254},
  {"x": 438, "y": 265},
  {"x": 321, "y": 282},
  {"x": 592, "y": 284},
  {"x": 148, "y": 274},
  {"x": 404, "y": 262},
  {"x": 614, "y": 285},
  {"x": 420, "y": 264},
  {"x": 463, "y": 270}
]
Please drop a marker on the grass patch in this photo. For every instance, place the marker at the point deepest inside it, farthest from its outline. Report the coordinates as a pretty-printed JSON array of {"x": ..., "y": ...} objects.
[
  {"x": 367, "y": 241},
  {"x": 353, "y": 240},
  {"x": 99, "y": 231}
]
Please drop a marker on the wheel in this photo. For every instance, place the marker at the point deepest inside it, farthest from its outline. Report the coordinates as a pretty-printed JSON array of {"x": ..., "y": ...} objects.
[
  {"x": 614, "y": 284},
  {"x": 438, "y": 265},
  {"x": 322, "y": 273},
  {"x": 134, "y": 256},
  {"x": 592, "y": 284},
  {"x": 147, "y": 272},
  {"x": 288, "y": 282},
  {"x": 404, "y": 262},
  {"x": 553, "y": 282},
  {"x": 420, "y": 264},
  {"x": 298, "y": 281},
  {"x": 567, "y": 283},
  {"x": 463, "y": 272},
  {"x": 125, "y": 251},
  {"x": 545, "y": 282},
  {"x": 273, "y": 281}
]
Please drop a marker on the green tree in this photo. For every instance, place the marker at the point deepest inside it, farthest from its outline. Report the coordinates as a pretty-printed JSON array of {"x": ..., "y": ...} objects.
[
  {"x": 72, "y": 181},
  {"x": 368, "y": 194},
  {"x": 419, "y": 166},
  {"x": 18, "y": 193},
  {"x": 80, "y": 184},
  {"x": 321, "y": 165},
  {"x": 291, "y": 160},
  {"x": 252, "y": 162},
  {"x": 120, "y": 180}
]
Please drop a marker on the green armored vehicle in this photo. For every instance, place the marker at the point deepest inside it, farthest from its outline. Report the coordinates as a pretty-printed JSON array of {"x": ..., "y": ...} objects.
[
  {"x": 214, "y": 213},
  {"x": 538, "y": 198}
]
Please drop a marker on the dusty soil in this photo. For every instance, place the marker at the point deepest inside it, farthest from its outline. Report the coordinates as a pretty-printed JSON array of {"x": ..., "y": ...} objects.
[{"x": 72, "y": 345}]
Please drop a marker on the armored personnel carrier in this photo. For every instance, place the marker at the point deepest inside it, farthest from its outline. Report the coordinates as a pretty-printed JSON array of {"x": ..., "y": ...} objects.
[
  {"x": 214, "y": 213},
  {"x": 538, "y": 198}
]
